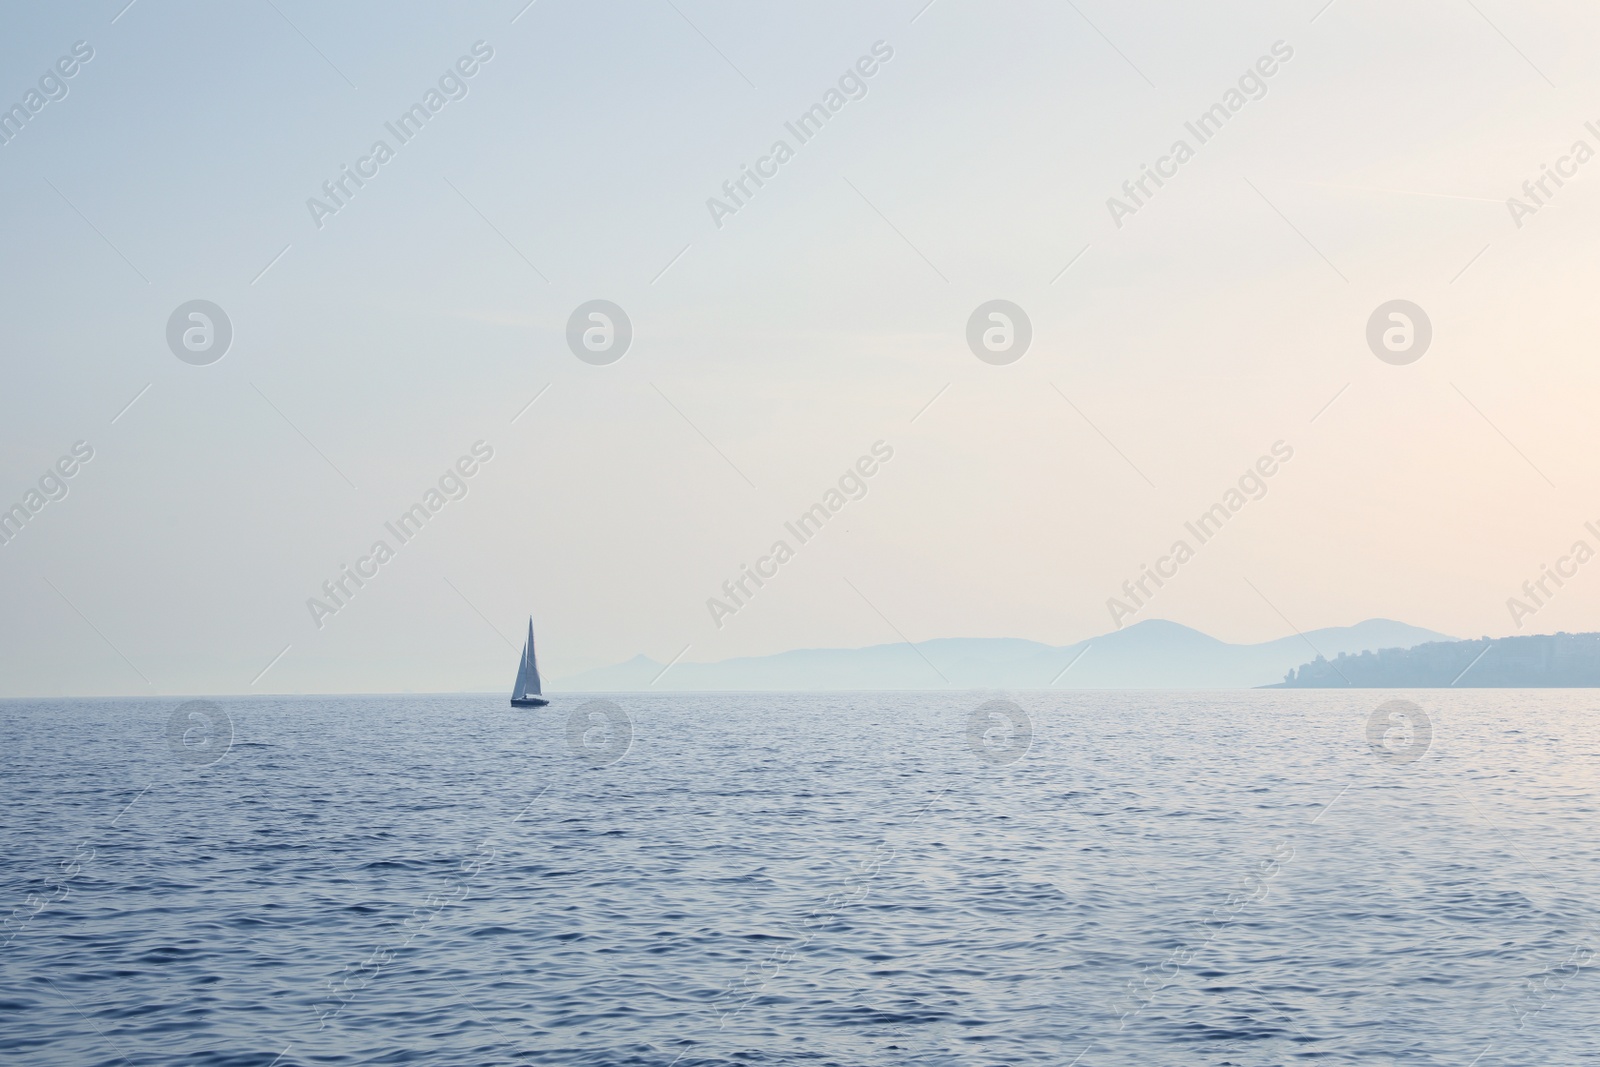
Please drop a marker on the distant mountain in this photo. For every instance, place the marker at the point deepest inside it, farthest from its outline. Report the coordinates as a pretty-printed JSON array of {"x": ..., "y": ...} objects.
[
  {"x": 1154, "y": 654},
  {"x": 1536, "y": 661}
]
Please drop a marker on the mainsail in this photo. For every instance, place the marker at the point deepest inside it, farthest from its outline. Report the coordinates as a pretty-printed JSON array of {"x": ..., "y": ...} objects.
[{"x": 519, "y": 690}]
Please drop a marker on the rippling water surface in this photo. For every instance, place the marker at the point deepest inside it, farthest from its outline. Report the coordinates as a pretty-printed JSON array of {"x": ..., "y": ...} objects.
[{"x": 819, "y": 879}]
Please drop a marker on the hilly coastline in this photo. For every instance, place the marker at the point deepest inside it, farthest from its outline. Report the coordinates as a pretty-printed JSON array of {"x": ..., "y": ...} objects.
[
  {"x": 1154, "y": 654},
  {"x": 1560, "y": 661}
]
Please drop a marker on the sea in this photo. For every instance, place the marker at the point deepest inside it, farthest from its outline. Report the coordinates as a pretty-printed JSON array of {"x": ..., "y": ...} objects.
[{"x": 1061, "y": 878}]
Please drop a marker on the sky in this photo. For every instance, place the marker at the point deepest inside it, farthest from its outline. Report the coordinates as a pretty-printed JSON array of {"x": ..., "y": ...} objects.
[{"x": 1179, "y": 334}]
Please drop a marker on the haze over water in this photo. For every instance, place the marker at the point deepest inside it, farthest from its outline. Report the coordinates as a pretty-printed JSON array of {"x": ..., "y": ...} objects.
[
  {"x": 1160, "y": 878},
  {"x": 1329, "y": 369}
]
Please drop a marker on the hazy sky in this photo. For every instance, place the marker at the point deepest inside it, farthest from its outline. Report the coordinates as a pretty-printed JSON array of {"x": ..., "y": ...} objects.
[{"x": 773, "y": 346}]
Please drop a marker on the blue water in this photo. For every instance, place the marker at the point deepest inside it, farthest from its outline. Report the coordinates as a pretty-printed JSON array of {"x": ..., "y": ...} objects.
[{"x": 1235, "y": 878}]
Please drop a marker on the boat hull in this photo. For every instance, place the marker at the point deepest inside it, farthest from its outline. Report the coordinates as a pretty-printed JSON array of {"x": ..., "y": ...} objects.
[{"x": 529, "y": 702}]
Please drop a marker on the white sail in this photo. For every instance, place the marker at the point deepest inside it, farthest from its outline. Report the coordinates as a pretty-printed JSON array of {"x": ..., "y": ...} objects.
[
  {"x": 528, "y": 673},
  {"x": 519, "y": 690}
]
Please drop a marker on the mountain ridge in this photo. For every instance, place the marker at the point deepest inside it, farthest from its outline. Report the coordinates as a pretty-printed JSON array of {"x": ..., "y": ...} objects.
[{"x": 1151, "y": 654}]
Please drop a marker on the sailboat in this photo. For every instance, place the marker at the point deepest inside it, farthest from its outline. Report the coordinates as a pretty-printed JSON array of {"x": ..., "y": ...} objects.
[{"x": 525, "y": 694}]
